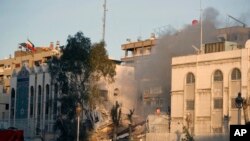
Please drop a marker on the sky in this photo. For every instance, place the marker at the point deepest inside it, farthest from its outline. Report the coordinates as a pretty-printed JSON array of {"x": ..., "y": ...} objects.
[{"x": 45, "y": 21}]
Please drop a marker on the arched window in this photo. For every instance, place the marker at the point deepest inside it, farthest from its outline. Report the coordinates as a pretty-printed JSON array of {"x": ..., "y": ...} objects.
[
  {"x": 39, "y": 90},
  {"x": 12, "y": 107},
  {"x": 236, "y": 74},
  {"x": 31, "y": 100},
  {"x": 47, "y": 89},
  {"x": 218, "y": 76},
  {"x": 190, "y": 78},
  {"x": 39, "y": 100},
  {"x": 13, "y": 93},
  {"x": 55, "y": 101},
  {"x": 47, "y": 100}
]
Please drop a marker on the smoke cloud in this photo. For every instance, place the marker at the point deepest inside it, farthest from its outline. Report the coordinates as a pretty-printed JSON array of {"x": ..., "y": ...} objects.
[{"x": 155, "y": 70}]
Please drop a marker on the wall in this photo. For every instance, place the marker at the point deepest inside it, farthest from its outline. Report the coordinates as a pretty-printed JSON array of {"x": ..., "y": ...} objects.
[{"x": 207, "y": 119}]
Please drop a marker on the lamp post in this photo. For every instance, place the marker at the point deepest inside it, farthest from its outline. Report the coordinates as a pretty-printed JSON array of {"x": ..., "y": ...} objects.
[
  {"x": 78, "y": 112},
  {"x": 239, "y": 103}
]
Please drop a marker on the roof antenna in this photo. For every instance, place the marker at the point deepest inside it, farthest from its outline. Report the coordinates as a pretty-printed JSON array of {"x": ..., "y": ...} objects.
[
  {"x": 243, "y": 24},
  {"x": 104, "y": 20},
  {"x": 201, "y": 26}
]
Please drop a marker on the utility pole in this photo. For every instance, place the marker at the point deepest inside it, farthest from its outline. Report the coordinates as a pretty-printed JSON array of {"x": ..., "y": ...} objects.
[
  {"x": 201, "y": 26},
  {"x": 104, "y": 20}
]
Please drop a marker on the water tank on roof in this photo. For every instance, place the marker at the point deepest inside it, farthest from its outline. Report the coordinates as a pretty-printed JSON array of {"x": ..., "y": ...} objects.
[{"x": 247, "y": 45}]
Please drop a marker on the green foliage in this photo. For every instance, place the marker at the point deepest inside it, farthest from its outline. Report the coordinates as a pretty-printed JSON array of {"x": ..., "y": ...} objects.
[
  {"x": 101, "y": 64},
  {"x": 74, "y": 71}
]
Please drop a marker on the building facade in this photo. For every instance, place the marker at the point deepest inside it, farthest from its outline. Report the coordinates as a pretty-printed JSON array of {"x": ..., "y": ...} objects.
[
  {"x": 33, "y": 100},
  {"x": 137, "y": 50},
  {"x": 40, "y": 56},
  {"x": 11, "y": 64},
  {"x": 205, "y": 85},
  {"x": 34, "y": 105}
]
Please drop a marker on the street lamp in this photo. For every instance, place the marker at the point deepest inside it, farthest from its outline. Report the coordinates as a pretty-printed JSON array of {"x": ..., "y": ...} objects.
[
  {"x": 78, "y": 112},
  {"x": 239, "y": 104}
]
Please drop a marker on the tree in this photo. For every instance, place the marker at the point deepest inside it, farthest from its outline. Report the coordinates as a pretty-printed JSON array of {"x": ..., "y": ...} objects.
[
  {"x": 116, "y": 118},
  {"x": 79, "y": 67},
  {"x": 130, "y": 118}
]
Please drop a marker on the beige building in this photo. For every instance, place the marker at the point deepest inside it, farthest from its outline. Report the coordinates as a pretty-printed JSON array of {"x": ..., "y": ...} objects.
[
  {"x": 205, "y": 85},
  {"x": 149, "y": 95},
  {"x": 137, "y": 50},
  {"x": 41, "y": 55}
]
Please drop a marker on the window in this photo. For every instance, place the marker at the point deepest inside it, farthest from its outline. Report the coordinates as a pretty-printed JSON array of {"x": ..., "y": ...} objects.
[
  {"x": 39, "y": 100},
  {"x": 6, "y": 106},
  {"x": 47, "y": 100},
  {"x": 38, "y": 62},
  {"x": 31, "y": 100},
  {"x": 104, "y": 94},
  {"x": 218, "y": 75},
  {"x": 55, "y": 101},
  {"x": 190, "y": 78},
  {"x": 190, "y": 104},
  {"x": 13, "y": 94},
  {"x": 236, "y": 74},
  {"x": 218, "y": 103}
]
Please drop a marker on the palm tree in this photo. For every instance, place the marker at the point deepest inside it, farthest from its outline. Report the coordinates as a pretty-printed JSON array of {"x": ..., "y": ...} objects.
[
  {"x": 116, "y": 118},
  {"x": 130, "y": 118}
]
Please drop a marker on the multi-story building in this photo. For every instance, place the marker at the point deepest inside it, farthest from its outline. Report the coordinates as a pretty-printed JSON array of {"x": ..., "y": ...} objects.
[
  {"x": 34, "y": 106},
  {"x": 149, "y": 96},
  {"x": 156, "y": 96},
  {"x": 205, "y": 85},
  {"x": 137, "y": 50},
  {"x": 7, "y": 66},
  {"x": 41, "y": 55}
]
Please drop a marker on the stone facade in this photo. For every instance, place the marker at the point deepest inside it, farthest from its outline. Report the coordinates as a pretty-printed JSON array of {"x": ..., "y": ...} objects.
[{"x": 204, "y": 88}]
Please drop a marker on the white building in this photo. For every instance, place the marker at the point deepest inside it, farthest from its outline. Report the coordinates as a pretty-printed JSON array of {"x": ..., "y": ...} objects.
[
  {"x": 205, "y": 85},
  {"x": 30, "y": 99},
  {"x": 33, "y": 98}
]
